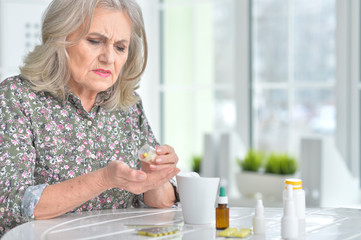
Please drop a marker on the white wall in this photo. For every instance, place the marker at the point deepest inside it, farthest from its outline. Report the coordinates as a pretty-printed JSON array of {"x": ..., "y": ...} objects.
[{"x": 20, "y": 23}]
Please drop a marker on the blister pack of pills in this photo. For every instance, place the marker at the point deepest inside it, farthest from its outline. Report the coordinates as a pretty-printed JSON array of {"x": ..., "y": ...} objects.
[{"x": 158, "y": 231}]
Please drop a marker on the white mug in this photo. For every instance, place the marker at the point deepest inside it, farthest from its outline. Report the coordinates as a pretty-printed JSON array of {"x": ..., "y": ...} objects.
[{"x": 198, "y": 198}]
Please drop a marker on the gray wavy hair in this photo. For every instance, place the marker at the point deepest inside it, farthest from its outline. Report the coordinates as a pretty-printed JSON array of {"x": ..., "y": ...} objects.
[{"x": 47, "y": 66}]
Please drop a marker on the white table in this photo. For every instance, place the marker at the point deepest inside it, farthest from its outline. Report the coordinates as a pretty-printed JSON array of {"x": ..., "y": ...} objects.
[{"x": 339, "y": 223}]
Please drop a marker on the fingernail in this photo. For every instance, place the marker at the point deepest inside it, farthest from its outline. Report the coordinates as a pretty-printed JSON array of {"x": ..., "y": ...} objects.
[
  {"x": 141, "y": 176},
  {"x": 158, "y": 150}
]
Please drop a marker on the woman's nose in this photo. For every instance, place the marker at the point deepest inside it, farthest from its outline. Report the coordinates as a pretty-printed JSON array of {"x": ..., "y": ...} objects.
[{"x": 107, "y": 54}]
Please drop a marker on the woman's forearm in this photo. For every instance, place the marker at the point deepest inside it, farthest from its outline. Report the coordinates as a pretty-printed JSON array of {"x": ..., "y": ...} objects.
[
  {"x": 161, "y": 197},
  {"x": 62, "y": 197}
]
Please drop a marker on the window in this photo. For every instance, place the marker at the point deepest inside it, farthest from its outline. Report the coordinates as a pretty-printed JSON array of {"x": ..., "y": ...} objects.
[
  {"x": 197, "y": 77},
  {"x": 271, "y": 70},
  {"x": 293, "y": 72},
  {"x": 277, "y": 70},
  {"x": 292, "y": 68}
]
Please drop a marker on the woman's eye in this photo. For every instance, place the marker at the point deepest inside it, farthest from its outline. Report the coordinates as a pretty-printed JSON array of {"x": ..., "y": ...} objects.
[
  {"x": 120, "y": 48},
  {"x": 94, "y": 42}
]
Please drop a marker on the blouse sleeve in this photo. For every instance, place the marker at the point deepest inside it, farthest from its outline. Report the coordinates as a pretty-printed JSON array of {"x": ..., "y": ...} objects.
[
  {"x": 17, "y": 157},
  {"x": 31, "y": 199}
]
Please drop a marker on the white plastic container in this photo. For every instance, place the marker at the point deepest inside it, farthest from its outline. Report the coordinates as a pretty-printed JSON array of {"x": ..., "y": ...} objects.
[
  {"x": 259, "y": 221},
  {"x": 300, "y": 202},
  {"x": 147, "y": 154},
  {"x": 289, "y": 221}
]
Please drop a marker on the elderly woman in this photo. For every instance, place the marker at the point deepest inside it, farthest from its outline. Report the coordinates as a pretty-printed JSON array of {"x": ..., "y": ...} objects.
[{"x": 71, "y": 123}]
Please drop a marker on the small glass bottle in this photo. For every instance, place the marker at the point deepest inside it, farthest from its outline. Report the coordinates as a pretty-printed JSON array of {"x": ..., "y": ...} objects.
[{"x": 222, "y": 211}]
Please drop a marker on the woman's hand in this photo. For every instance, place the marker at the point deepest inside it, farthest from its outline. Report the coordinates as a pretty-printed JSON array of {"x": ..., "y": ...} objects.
[
  {"x": 119, "y": 174},
  {"x": 163, "y": 196},
  {"x": 166, "y": 157}
]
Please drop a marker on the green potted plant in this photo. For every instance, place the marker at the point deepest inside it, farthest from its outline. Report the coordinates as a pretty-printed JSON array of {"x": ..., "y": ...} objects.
[
  {"x": 282, "y": 164},
  {"x": 253, "y": 161},
  {"x": 265, "y": 174},
  {"x": 196, "y": 163},
  {"x": 251, "y": 170}
]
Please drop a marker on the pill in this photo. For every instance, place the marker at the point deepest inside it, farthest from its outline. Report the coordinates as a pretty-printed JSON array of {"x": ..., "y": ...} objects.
[
  {"x": 243, "y": 232},
  {"x": 228, "y": 232}
]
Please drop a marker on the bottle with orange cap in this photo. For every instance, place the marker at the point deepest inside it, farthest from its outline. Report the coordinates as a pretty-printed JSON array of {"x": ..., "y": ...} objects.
[{"x": 300, "y": 201}]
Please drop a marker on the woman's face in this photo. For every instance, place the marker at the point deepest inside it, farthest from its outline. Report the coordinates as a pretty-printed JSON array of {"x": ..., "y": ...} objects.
[{"x": 96, "y": 60}]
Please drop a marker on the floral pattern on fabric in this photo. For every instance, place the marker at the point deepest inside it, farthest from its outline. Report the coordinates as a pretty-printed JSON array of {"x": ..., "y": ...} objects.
[{"x": 45, "y": 141}]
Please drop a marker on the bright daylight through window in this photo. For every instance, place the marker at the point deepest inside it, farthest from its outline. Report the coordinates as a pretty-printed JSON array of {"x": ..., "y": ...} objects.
[
  {"x": 293, "y": 71},
  {"x": 292, "y": 65}
]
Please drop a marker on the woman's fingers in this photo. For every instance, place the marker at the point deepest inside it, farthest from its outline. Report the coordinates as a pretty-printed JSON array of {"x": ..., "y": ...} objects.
[
  {"x": 164, "y": 149},
  {"x": 120, "y": 174},
  {"x": 153, "y": 181},
  {"x": 137, "y": 181},
  {"x": 166, "y": 157},
  {"x": 146, "y": 167}
]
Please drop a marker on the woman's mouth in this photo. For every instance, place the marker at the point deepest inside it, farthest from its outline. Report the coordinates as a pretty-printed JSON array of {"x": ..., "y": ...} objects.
[{"x": 102, "y": 72}]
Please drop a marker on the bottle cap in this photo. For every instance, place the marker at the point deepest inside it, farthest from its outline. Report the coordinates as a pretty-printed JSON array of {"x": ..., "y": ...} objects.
[
  {"x": 222, "y": 199},
  {"x": 295, "y": 182},
  {"x": 222, "y": 192}
]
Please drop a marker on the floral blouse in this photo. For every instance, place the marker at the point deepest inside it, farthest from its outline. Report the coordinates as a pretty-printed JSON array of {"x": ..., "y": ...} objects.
[{"x": 44, "y": 141}]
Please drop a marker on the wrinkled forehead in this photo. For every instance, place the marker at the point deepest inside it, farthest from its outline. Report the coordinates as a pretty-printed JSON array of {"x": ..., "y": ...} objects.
[
  {"x": 109, "y": 19},
  {"x": 113, "y": 24}
]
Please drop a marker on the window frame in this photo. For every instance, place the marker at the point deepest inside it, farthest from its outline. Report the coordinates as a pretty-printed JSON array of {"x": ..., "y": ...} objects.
[
  {"x": 243, "y": 82},
  {"x": 348, "y": 85}
]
